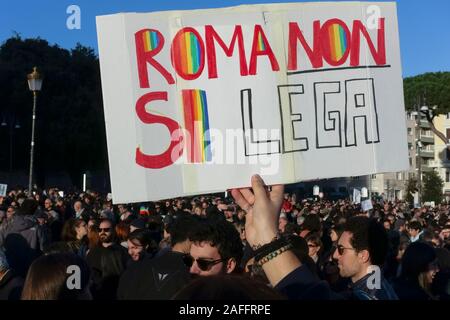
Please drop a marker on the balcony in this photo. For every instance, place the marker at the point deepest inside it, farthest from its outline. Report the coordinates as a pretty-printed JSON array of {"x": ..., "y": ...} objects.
[
  {"x": 426, "y": 168},
  {"x": 427, "y": 139},
  {"x": 427, "y": 153},
  {"x": 424, "y": 124}
]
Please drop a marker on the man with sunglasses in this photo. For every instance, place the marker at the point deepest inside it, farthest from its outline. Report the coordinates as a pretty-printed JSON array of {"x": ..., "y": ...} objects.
[
  {"x": 361, "y": 246},
  {"x": 107, "y": 261},
  {"x": 216, "y": 249},
  {"x": 361, "y": 252}
]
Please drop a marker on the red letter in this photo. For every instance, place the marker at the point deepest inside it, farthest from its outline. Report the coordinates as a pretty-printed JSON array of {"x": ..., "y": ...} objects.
[
  {"x": 261, "y": 47},
  {"x": 166, "y": 158},
  {"x": 188, "y": 54},
  {"x": 149, "y": 43},
  {"x": 380, "y": 55},
  {"x": 210, "y": 36},
  {"x": 315, "y": 55},
  {"x": 335, "y": 37}
]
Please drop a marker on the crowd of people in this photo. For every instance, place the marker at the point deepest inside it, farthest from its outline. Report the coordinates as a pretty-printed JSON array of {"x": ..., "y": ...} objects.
[{"x": 259, "y": 243}]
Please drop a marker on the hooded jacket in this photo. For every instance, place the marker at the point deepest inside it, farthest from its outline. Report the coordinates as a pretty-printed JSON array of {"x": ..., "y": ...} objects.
[{"x": 28, "y": 228}]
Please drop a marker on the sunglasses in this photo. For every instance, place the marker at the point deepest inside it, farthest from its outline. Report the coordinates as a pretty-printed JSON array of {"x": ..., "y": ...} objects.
[
  {"x": 104, "y": 229},
  {"x": 340, "y": 249},
  {"x": 203, "y": 264}
]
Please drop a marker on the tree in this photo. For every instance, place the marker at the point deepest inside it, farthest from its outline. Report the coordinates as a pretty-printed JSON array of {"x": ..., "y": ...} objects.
[
  {"x": 432, "y": 187},
  {"x": 432, "y": 89},
  {"x": 411, "y": 188},
  {"x": 70, "y": 125}
]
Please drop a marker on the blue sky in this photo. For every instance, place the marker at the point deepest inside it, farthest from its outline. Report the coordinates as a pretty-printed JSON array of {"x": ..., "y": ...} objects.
[{"x": 424, "y": 31}]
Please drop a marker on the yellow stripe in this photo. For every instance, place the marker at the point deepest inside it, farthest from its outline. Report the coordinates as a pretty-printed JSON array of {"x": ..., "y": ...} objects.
[
  {"x": 188, "y": 53},
  {"x": 337, "y": 40},
  {"x": 146, "y": 41}
]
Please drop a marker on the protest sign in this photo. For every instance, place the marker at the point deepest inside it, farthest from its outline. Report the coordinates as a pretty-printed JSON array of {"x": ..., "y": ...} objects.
[
  {"x": 199, "y": 101},
  {"x": 3, "y": 188},
  {"x": 366, "y": 205},
  {"x": 356, "y": 196}
]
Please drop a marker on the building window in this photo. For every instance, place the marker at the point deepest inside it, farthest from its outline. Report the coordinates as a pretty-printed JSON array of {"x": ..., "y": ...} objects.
[
  {"x": 447, "y": 176},
  {"x": 399, "y": 176},
  {"x": 410, "y": 131},
  {"x": 410, "y": 162},
  {"x": 448, "y": 116},
  {"x": 374, "y": 176}
]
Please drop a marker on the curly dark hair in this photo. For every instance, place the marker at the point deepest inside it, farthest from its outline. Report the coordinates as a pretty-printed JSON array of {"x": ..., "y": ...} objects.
[
  {"x": 180, "y": 226},
  {"x": 370, "y": 235},
  {"x": 220, "y": 234}
]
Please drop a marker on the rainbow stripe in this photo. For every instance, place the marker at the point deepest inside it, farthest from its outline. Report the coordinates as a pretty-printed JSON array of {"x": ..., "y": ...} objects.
[
  {"x": 261, "y": 43},
  {"x": 338, "y": 41},
  {"x": 150, "y": 39},
  {"x": 190, "y": 52},
  {"x": 196, "y": 122}
]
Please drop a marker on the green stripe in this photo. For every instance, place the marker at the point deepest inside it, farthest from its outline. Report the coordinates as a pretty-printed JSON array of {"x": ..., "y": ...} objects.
[
  {"x": 263, "y": 46},
  {"x": 194, "y": 52},
  {"x": 154, "y": 40},
  {"x": 342, "y": 39}
]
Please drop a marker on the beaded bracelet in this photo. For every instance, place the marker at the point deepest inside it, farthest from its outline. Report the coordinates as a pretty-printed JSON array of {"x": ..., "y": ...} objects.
[
  {"x": 273, "y": 254},
  {"x": 275, "y": 244}
]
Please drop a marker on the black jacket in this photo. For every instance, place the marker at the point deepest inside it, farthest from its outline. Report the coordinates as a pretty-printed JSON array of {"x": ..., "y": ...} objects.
[
  {"x": 155, "y": 279},
  {"x": 11, "y": 286},
  {"x": 409, "y": 290},
  {"x": 302, "y": 285}
]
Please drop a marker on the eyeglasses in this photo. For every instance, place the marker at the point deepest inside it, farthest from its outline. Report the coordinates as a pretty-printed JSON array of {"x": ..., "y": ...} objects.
[
  {"x": 104, "y": 229},
  {"x": 203, "y": 264},
  {"x": 342, "y": 249},
  {"x": 311, "y": 245}
]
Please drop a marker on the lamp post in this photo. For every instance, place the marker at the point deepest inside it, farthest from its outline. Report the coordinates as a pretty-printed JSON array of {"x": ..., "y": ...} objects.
[{"x": 34, "y": 84}]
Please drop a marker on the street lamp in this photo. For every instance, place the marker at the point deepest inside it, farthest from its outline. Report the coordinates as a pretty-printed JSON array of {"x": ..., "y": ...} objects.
[{"x": 34, "y": 84}]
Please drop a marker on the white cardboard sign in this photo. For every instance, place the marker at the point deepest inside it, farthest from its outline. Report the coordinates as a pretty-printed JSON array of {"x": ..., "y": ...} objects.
[{"x": 199, "y": 101}]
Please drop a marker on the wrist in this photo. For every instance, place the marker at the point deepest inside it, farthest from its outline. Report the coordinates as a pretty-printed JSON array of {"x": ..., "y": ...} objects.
[
  {"x": 266, "y": 238},
  {"x": 277, "y": 246}
]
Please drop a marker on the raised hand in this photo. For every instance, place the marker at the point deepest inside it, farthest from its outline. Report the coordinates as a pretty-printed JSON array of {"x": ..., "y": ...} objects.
[{"x": 262, "y": 207}]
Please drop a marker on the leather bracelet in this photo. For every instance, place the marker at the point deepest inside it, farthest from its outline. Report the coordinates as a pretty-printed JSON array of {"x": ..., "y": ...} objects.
[{"x": 274, "y": 254}]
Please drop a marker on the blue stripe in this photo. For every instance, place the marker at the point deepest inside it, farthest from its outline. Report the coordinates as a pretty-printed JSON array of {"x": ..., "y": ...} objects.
[{"x": 206, "y": 125}]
